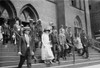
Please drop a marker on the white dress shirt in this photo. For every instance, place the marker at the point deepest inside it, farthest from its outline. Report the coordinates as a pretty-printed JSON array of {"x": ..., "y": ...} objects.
[{"x": 27, "y": 38}]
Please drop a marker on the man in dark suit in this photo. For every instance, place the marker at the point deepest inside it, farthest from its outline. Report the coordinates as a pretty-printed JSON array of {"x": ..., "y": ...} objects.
[
  {"x": 6, "y": 32},
  {"x": 84, "y": 40},
  {"x": 55, "y": 45},
  {"x": 26, "y": 48}
]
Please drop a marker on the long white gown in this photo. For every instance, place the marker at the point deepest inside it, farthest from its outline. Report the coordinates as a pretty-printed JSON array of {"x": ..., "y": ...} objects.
[
  {"x": 46, "y": 52},
  {"x": 79, "y": 44}
]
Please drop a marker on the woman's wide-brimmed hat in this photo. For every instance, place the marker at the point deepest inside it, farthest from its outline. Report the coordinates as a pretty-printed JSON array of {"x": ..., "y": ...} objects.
[{"x": 47, "y": 29}]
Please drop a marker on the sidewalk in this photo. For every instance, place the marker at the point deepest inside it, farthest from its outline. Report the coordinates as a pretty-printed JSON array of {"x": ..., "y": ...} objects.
[{"x": 93, "y": 66}]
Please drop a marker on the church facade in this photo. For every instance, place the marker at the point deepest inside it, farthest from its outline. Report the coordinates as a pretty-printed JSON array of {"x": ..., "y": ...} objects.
[{"x": 70, "y": 13}]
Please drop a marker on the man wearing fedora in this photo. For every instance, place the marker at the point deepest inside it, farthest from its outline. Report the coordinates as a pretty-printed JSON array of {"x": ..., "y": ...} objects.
[{"x": 26, "y": 48}]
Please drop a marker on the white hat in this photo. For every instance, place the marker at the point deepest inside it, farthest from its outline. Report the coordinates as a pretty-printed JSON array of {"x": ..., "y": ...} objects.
[
  {"x": 51, "y": 23},
  {"x": 49, "y": 28}
]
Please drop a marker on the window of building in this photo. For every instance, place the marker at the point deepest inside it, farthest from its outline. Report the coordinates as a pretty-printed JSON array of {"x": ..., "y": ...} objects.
[
  {"x": 28, "y": 12},
  {"x": 82, "y": 4},
  {"x": 79, "y": 4},
  {"x": 90, "y": 7},
  {"x": 73, "y": 3},
  {"x": 5, "y": 14},
  {"x": 80, "y": 7}
]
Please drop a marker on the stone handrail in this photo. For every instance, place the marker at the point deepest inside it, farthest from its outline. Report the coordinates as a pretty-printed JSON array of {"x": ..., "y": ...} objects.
[{"x": 95, "y": 44}]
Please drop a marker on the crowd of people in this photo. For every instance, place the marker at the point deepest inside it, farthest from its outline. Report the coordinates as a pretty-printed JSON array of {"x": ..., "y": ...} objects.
[{"x": 53, "y": 44}]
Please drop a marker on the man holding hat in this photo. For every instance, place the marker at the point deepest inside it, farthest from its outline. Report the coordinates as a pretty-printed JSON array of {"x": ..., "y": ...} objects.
[{"x": 26, "y": 48}]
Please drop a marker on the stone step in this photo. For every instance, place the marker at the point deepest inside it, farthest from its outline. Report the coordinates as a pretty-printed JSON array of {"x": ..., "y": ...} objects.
[
  {"x": 9, "y": 58},
  {"x": 9, "y": 63},
  {"x": 79, "y": 64},
  {"x": 13, "y": 58},
  {"x": 82, "y": 57},
  {"x": 63, "y": 62},
  {"x": 6, "y": 48},
  {"x": 8, "y": 53},
  {"x": 8, "y": 45}
]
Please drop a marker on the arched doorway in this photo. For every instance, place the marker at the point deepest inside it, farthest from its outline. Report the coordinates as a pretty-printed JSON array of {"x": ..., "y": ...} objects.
[
  {"x": 77, "y": 25},
  {"x": 7, "y": 9},
  {"x": 28, "y": 12},
  {"x": 8, "y": 12}
]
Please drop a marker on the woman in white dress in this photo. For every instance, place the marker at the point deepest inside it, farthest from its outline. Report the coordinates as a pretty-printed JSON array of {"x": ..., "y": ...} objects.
[
  {"x": 78, "y": 44},
  {"x": 46, "y": 52}
]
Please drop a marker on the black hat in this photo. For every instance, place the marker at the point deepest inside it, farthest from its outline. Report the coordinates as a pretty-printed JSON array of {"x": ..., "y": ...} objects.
[
  {"x": 25, "y": 23},
  {"x": 2, "y": 21},
  {"x": 11, "y": 22}
]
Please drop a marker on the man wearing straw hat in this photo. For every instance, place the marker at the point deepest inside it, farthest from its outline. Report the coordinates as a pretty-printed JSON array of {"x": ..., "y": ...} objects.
[{"x": 26, "y": 48}]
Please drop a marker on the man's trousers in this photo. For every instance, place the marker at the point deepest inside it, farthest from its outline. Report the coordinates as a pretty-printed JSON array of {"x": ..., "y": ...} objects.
[{"x": 27, "y": 57}]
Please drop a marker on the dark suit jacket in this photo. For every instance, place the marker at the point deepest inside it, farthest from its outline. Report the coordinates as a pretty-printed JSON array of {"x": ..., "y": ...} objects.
[
  {"x": 53, "y": 38},
  {"x": 84, "y": 39},
  {"x": 33, "y": 36},
  {"x": 5, "y": 29},
  {"x": 23, "y": 46}
]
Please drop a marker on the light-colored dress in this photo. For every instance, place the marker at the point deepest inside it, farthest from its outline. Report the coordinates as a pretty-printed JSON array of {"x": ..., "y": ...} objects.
[
  {"x": 62, "y": 38},
  {"x": 46, "y": 51},
  {"x": 78, "y": 43}
]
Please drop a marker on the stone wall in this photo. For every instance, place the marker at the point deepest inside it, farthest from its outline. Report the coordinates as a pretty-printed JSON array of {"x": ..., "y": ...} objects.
[{"x": 45, "y": 9}]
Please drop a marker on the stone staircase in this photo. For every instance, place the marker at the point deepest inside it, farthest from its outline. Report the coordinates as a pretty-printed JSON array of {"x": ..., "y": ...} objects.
[
  {"x": 10, "y": 59},
  {"x": 8, "y": 55},
  {"x": 80, "y": 61}
]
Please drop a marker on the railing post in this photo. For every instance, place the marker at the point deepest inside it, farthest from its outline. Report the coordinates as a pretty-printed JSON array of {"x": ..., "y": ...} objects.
[{"x": 73, "y": 54}]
